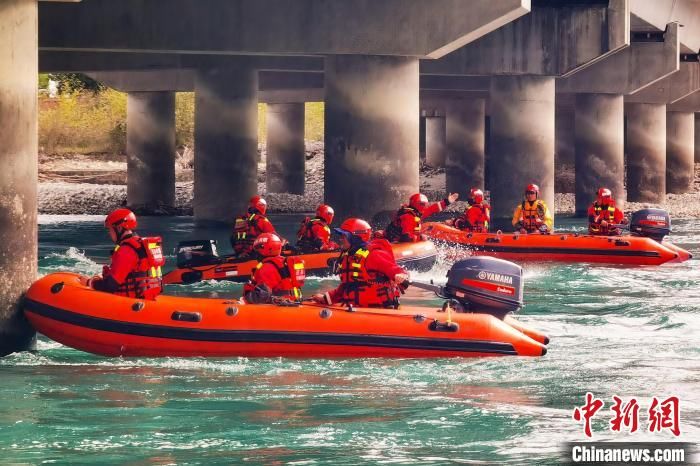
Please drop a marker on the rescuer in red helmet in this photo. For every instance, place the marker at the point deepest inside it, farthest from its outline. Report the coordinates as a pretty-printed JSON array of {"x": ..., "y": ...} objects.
[
  {"x": 406, "y": 225},
  {"x": 603, "y": 215},
  {"x": 315, "y": 233},
  {"x": 477, "y": 216},
  {"x": 135, "y": 270},
  {"x": 369, "y": 274},
  {"x": 533, "y": 215},
  {"x": 275, "y": 276},
  {"x": 247, "y": 227}
]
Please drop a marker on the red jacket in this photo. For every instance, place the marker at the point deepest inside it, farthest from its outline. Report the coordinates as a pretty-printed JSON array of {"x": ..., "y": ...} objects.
[
  {"x": 315, "y": 235},
  {"x": 406, "y": 226},
  {"x": 246, "y": 229},
  {"x": 273, "y": 273},
  {"x": 124, "y": 261},
  {"x": 133, "y": 272},
  {"x": 598, "y": 213},
  {"x": 371, "y": 282},
  {"x": 476, "y": 218}
]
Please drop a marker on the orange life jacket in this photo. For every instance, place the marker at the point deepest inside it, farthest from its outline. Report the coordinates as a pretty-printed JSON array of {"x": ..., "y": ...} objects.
[
  {"x": 395, "y": 229},
  {"x": 146, "y": 280},
  {"x": 306, "y": 239},
  {"x": 533, "y": 215},
  {"x": 363, "y": 287},
  {"x": 293, "y": 274},
  {"x": 606, "y": 213},
  {"x": 245, "y": 231},
  {"x": 475, "y": 219}
]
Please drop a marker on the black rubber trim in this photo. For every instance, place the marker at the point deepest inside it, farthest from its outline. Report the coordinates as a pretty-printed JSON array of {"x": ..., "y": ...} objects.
[
  {"x": 239, "y": 336},
  {"x": 571, "y": 251}
]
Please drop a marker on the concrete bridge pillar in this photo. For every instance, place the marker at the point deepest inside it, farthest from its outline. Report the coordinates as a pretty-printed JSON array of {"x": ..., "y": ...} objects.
[
  {"x": 421, "y": 137},
  {"x": 646, "y": 152},
  {"x": 466, "y": 126},
  {"x": 680, "y": 152},
  {"x": 226, "y": 141},
  {"x": 371, "y": 134},
  {"x": 150, "y": 148},
  {"x": 18, "y": 177},
  {"x": 522, "y": 142},
  {"x": 564, "y": 153},
  {"x": 286, "y": 161},
  {"x": 697, "y": 138},
  {"x": 599, "y": 146},
  {"x": 435, "y": 143}
]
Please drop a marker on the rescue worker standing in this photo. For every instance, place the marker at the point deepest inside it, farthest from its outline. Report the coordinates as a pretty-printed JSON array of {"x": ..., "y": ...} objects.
[
  {"x": 135, "y": 269},
  {"x": 249, "y": 226},
  {"x": 369, "y": 274},
  {"x": 406, "y": 225},
  {"x": 275, "y": 276},
  {"x": 315, "y": 233},
  {"x": 533, "y": 215},
  {"x": 477, "y": 216},
  {"x": 603, "y": 214}
]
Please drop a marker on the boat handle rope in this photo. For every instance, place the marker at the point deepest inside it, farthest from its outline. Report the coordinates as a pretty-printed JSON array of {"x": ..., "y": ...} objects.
[{"x": 416, "y": 317}]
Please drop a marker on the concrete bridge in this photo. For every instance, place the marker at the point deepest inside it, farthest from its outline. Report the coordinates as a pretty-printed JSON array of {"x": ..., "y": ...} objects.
[{"x": 610, "y": 85}]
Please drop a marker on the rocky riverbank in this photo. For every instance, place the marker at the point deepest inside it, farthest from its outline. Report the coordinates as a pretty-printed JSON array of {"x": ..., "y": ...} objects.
[{"x": 83, "y": 184}]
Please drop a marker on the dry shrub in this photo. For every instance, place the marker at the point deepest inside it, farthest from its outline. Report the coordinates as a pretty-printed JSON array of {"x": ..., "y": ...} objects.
[
  {"x": 83, "y": 122},
  {"x": 184, "y": 120},
  {"x": 314, "y": 112},
  {"x": 87, "y": 122},
  {"x": 262, "y": 123},
  {"x": 184, "y": 158}
]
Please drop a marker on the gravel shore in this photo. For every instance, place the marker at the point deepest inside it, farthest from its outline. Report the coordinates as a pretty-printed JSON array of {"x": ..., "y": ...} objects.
[{"x": 83, "y": 185}]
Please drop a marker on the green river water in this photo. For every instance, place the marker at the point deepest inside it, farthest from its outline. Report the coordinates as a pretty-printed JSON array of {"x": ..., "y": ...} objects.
[{"x": 631, "y": 332}]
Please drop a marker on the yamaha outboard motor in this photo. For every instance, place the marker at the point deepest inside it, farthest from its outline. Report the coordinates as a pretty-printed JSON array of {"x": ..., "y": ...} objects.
[
  {"x": 486, "y": 284},
  {"x": 196, "y": 253},
  {"x": 652, "y": 223}
]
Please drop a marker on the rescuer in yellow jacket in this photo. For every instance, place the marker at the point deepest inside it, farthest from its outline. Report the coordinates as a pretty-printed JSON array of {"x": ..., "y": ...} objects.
[{"x": 532, "y": 215}]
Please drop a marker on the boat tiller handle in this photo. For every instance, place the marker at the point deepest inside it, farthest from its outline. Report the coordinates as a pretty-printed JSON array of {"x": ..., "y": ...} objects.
[{"x": 438, "y": 290}]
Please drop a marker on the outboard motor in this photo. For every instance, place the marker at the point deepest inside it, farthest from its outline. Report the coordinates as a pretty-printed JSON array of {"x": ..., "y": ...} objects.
[
  {"x": 652, "y": 223},
  {"x": 196, "y": 253},
  {"x": 485, "y": 284}
]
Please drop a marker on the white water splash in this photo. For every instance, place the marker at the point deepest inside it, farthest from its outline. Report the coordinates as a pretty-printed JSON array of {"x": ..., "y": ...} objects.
[{"x": 72, "y": 259}]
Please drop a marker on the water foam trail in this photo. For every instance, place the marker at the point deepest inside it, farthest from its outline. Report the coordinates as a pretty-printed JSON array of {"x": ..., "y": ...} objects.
[{"x": 71, "y": 259}]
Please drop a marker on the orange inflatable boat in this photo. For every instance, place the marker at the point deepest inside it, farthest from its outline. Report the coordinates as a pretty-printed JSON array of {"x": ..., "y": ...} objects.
[
  {"x": 63, "y": 308},
  {"x": 197, "y": 261},
  {"x": 560, "y": 247}
]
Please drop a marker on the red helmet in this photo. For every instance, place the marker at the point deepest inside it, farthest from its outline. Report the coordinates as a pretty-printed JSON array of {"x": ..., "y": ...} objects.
[
  {"x": 123, "y": 218},
  {"x": 259, "y": 204},
  {"x": 533, "y": 188},
  {"x": 418, "y": 201},
  {"x": 356, "y": 227},
  {"x": 268, "y": 245},
  {"x": 604, "y": 193},
  {"x": 477, "y": 195},
  {"x": 325, "y": 213}
]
